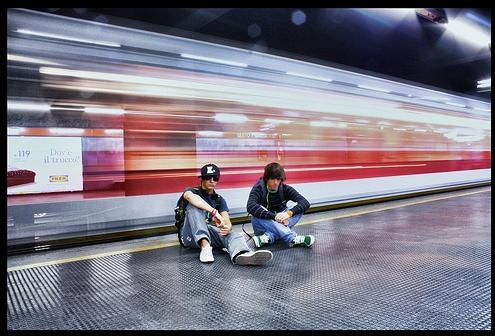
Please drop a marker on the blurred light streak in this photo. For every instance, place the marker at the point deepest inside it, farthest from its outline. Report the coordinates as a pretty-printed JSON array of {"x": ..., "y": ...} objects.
[
  {"x": 440, "y": 99},
  {"x": 373, "y": 88},
  {"x": 104, "y": 110},
  {"x": 259, "y": 135},
  {"x": 230, "y": 118},
  {"x": 160, "y": 131},
  {"x": 455, "y": 104},
  {"x": 478, "y": 19},
  {"x": 322, "y": 123},
  {"x": 355, "y": 167},
  {"x": 256, "y": 171},
  {"x": 468, "y": 138},
  {"x": 212, "y": 134},
  {"x": 65, "y": 131},
  {"x": 67, "y": 108},
  {"x": 309, "y": 76},
  {"x": 15, "y": 130},
  {"x": 278, "y": 121},
  {"x": 27, "y": 106},
  {"x": 308, "y": 102},
  {"x": 118, "y": 132},
  {"x": 17, "y": 58},
  {"x": 214, "y": 60},
  {"x": 186, "y": 85},
  {"x": 67, "y": 38},
  {"x": 464, "y": 135},
  {"x": 107, "y": 76},
  {"x": 269, "y": 96}
]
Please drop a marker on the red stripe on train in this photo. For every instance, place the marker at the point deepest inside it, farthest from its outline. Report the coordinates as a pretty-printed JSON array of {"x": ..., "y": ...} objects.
[{"x": 155, "y": 182}]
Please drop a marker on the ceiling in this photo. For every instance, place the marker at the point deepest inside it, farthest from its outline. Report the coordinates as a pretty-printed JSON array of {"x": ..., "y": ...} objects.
[{"x": 385, "y": 42}]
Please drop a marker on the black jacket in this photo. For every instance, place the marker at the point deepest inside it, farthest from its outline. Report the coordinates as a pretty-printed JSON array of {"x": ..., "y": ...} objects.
[{"x": 263, "y": 204}]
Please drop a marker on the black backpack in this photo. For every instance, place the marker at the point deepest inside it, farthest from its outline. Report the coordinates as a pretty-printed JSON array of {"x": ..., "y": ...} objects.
[
  {"x": 180, "y": 213},
  {"x": 180, "y": 216}
]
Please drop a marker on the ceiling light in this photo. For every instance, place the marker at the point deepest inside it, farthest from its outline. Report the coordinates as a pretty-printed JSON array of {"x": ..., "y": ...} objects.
[
  {"x": 469, "y": 33},
  {"x": 485, "y": 83},
  {"x": 436, "y": 15}
]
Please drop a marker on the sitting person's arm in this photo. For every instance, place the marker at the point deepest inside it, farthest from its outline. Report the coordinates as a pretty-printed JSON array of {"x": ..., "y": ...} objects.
[
  {"x": 227, "y": 225},
  {"x": 200, "y": 203}
]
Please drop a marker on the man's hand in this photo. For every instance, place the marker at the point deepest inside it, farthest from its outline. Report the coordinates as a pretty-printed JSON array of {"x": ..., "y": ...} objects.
[
  {"x": 219, "y": 221},
  {"x": 282, "y": 218},
  {"x": 225, "y": 229}
]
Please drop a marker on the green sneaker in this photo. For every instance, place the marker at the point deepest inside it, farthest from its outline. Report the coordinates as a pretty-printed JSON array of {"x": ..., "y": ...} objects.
[
  {"x": 260, "y": 240},
  {"x": 306, "y": 241}
]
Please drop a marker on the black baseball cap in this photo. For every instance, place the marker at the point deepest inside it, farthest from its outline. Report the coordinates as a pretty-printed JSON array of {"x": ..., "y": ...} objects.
[{"x": 210, "y": 170}]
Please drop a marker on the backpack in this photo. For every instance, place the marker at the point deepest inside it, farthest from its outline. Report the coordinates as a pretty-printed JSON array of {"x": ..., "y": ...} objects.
[{"x": 180, "y": 213}]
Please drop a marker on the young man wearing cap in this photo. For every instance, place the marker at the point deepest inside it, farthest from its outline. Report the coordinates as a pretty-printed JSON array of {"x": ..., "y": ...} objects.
[
  {"x": 207, "y": 224},
  {"x": 272, "y": 219}
]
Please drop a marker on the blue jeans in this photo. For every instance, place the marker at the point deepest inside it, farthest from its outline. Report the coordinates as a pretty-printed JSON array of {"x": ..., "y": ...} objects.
[
  {"x": 274, "y": 230},
  {"x": 196, "y": 228}
]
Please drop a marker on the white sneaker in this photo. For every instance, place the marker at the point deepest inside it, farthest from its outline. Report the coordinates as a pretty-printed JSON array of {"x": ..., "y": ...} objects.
[
  {"x": 306, "y": 241},
  {"x": 260, "y": 240},
  {"x": 254, "y": 258},
  {"x": 206, "y": 254}
]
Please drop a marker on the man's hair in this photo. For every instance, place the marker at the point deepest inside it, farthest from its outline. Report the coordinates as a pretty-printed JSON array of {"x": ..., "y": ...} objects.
[{"x": 274, "y": 171}]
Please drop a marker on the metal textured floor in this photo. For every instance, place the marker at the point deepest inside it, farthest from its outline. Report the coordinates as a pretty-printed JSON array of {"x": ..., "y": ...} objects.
[{"x": 422, "y": 263}]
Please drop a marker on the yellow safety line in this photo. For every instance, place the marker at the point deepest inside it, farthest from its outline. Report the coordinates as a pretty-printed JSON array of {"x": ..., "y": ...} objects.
[
  {"x": 93, "y": 256},
  {"x": 162, "y": 245}
]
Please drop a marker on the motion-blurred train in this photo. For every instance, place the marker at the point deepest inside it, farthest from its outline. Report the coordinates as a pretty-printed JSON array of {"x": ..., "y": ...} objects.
[{"x": 107, "y": 125}]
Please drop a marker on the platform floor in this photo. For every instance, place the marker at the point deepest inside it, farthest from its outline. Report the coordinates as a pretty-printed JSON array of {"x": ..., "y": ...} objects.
[{"x": 420, "y": 263}]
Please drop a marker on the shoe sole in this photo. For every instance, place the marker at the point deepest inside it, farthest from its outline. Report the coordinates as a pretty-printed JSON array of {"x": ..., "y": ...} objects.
[{"x": 258, "y": 258}]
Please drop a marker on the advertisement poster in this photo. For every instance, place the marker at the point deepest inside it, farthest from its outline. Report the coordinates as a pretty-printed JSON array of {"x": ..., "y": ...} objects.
[{"x": 43, "y": 164}]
